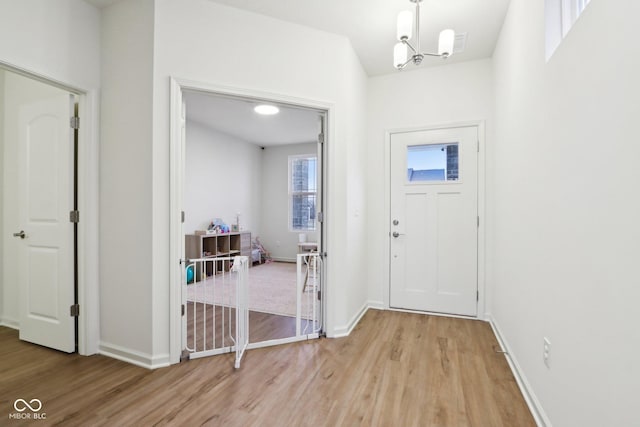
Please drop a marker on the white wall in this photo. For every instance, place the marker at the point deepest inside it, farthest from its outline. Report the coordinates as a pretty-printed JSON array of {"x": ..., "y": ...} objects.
[
  {"x": 293, "y": 61},
  {"x": 281, "y": 243},
  {"x": 206, "y": 42},
  {"x": 422, "y": 97},
  {"x": 59, "y": 39},
  {"x": 18, "y": 91},
  {"x": 126, "y": 172},
  {"x": 567, "y": 235},
  {"x": 352, "y": 230},
  {"x": 222, "y": 177}
]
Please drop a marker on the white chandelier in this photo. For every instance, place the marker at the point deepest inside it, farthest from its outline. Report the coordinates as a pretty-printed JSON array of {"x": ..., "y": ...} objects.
[{"x": 401, "y": 50}]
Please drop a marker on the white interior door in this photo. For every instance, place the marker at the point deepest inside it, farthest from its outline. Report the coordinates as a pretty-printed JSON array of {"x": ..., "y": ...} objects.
[
  {"x": 46, "y": 254},
  {"x": 434, "y": 211}
]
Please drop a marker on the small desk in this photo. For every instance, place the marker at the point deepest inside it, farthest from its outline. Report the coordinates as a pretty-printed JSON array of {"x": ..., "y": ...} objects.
[{"x": 307, "y": 247}]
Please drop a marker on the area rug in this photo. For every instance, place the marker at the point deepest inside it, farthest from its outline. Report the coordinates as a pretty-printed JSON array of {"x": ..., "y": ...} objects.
[{"x": 272, "y": 289}]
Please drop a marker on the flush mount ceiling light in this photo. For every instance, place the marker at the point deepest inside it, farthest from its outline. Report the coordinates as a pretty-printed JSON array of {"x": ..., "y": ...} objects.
[
  {"x": 266, "y": 109},
  {"x": 401, "y": 50}
]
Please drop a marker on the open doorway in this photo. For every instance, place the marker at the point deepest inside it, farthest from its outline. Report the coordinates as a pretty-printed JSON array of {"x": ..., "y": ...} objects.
[{"x": 252, "y": 186}]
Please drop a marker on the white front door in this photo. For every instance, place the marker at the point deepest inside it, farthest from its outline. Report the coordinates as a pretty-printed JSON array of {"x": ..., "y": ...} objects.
[
  {"x": 46, "y": 254},
  {"x": 434, "y": 211}
]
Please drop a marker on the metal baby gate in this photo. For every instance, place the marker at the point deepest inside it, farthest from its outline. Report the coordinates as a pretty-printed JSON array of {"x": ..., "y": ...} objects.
[
  {"x": 216, "y": 301},
  {"x": 217, "y": 315}
]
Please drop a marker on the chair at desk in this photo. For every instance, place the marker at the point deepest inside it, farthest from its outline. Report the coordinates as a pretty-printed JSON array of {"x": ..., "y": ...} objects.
[{"x": 308, "y": 247}]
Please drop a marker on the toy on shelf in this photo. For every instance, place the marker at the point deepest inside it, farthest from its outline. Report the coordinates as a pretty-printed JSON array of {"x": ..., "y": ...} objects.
[{"x": 218, "y": 226}]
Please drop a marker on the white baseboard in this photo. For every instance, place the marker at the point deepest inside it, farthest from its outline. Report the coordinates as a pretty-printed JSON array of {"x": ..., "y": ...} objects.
[
  {"x": 345, "y": 330},
  {"x": 274, "y": 259},
  {"x": 281, "y": 341},
  {"x": 134, "y": 357},
  {"x": 535, "y": 407},
  {"x": 10, "y": 323},
  {"x": 377, "y": 305}
]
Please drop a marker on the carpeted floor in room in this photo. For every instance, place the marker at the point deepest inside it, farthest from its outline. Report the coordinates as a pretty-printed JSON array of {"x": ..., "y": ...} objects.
[{"x": 272, "y": 289}]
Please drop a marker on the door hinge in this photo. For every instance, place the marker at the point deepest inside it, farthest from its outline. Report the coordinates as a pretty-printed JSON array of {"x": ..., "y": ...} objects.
[
  {"x": 478, "y": 221},
  {"x": 182, "y": 216},
  {"x": 477, "y": 295},
  {"x": 74, "y": 216},
  {"x": 183, "y": 309},
  {"x": 74, "y": 310},
  {"x": 319, "y": 295},
  {"x": 320, "y": 216},
  {"x": 74, "y": 122},
  {"x": 321, "y": 138},
  {"x": 478, "y": 145}
]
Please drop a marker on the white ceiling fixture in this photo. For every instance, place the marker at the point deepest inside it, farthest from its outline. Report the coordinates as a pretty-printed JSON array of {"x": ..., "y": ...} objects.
[
  {"x": 266, "y": 109},
  {"x": 401, "y": 56}
]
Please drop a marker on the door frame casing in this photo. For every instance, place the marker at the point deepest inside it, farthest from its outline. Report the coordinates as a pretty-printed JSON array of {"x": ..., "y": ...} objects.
[
  {"x": 88, "y": 197},
  {"x": 481, "y": 270},
  {"x": 177, "y": 86}
]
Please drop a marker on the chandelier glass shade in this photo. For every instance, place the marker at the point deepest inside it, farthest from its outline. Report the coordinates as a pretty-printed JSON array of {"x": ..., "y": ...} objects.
[{"x": 404, "y": 52}]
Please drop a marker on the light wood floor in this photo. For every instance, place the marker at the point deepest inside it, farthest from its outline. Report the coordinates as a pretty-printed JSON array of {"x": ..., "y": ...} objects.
[{"x": 395, "y": 369}]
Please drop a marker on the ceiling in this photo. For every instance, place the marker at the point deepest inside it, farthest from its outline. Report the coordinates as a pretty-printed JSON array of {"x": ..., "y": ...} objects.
[
  {"x": 370, "y": 25},
  {"x": 235, "y": 117}
]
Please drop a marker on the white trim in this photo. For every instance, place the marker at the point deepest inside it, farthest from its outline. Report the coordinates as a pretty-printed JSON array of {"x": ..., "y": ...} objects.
[
  {"x": 289, "y": 260},
  {"x": 134, "y": 357},
  {"x": 271, "y": 343},
  {"x": 376, "y": 305},
  {"x": 213, "y": 352},
  {"x": 88, "y": 237},
  {"x": 480, "y": 125},
  {"x": 343, "y": 331},
  {"x": 10, "y": 323},
  {"x": 529, "y": 395},
  {"x": 88, "y": 205},
  {"x": 42, "y": 78},
  {"x": 482, "y": 227},
  {"x": 175, "y": 228},
  {"x": 432, "y": 313},
  {"x": 177, "y": 86}
]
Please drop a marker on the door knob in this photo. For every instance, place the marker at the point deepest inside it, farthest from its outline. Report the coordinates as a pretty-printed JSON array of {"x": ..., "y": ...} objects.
[
  {"x": 20, "y": 234},
  {"x": 396, "y": 234}
]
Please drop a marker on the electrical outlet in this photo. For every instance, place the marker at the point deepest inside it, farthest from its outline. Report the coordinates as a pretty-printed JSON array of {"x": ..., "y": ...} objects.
[{"x": 546, "y": 351}]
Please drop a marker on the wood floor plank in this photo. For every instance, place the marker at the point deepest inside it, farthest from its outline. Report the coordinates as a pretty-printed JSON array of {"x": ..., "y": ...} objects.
[{"x": 394, "y": 369}]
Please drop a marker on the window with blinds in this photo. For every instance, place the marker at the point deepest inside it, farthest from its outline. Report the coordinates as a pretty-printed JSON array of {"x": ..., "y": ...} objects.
[{"x": 302, "y": 193}]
